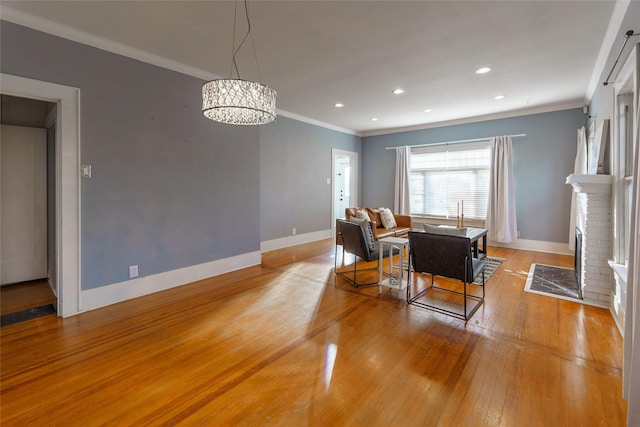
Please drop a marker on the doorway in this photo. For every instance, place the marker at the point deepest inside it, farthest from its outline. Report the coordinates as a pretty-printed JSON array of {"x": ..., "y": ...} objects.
[
  {"x": 344, "y": 170},
  {"x": 27, "y": 220},
  {"x": 66, "y": 182}
]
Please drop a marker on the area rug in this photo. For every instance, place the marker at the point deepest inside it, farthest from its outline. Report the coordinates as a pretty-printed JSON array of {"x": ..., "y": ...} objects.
[
  {"x": 553, "y": 281},
  {"x": 491, "y": 265}
]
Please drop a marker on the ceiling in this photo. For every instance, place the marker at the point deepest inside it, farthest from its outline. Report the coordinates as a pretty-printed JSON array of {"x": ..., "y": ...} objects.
[{"x": 319, "y": 53}]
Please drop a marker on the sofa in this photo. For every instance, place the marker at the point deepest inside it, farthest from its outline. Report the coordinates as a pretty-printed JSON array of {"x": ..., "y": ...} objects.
[{"x": 404, "y": 223}]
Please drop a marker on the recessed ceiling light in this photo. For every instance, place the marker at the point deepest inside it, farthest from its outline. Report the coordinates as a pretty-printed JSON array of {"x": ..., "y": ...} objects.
[
  {"x": 338, "y": 105},
  {"x": 398, "y": 91},
  {"x": 483, "y": 70},
  {"x": 428, "y": 111},
  {"x": 375, "y": 119},
  {"x": 499, "y": 97}
]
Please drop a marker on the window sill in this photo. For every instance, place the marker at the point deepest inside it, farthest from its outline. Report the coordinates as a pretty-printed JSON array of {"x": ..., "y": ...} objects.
[{"x": 620, "y": 270}]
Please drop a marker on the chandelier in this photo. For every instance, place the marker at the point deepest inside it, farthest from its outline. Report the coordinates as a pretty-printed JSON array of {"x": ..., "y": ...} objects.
[{"x": 237, "y": 101}]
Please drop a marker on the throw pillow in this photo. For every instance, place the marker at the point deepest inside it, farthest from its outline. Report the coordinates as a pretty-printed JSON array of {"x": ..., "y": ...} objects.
[
  {"x": 368, "y": 233},
  {"x": 387, "y": 218},
  {"x": 362, "y": 214},
  {"x": 445, "y": 230}
]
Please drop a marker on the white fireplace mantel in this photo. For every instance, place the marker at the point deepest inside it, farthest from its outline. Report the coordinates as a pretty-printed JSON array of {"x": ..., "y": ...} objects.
[{"x": 584, "y": 183}]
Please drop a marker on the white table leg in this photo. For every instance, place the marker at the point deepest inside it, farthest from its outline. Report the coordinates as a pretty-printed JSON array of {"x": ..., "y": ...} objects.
[{"x": 380, "y": 259}]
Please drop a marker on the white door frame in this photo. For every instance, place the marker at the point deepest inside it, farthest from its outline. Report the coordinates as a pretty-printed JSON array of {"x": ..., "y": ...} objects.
[
  {"x": 354, "y": 172},
  {"x": 67, "y": 185}
]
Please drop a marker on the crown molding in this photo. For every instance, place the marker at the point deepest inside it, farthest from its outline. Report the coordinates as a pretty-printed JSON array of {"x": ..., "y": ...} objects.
[
  {"x": 305, "y": 119},
  {"x": 66, "y": 32},
  {"x": 504, "y": 115},
  {"x": 60, "y": 30},
  {"x": 613, "y": 31}
]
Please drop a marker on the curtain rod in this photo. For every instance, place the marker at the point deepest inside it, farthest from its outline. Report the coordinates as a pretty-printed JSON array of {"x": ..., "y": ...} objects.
[
  {"x": 456, "y": 142},
  {"x": 627, "y": 35}
]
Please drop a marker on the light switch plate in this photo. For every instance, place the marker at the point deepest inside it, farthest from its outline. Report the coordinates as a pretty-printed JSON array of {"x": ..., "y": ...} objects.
[
  {"x": 133, "y": 271},
  {"x": 86, "y": 171}
]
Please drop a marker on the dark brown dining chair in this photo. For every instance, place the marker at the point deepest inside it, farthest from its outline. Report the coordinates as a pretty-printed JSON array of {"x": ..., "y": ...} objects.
[
  {"x": 445, "y": 256},
  {"x": 360, "y": 244}
]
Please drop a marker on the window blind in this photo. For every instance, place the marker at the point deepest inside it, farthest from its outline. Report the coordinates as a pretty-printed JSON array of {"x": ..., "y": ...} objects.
[{"x": 444, "y": 176}]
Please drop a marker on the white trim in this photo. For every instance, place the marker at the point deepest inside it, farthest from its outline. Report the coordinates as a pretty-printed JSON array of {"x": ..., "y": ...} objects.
[
  {"x": 67, "y": 181},
  {"x": 613, "y": 32},
  {"x": 353, "y": 156},
  {"x": 285, "y": 242},
  {"x": 615, "y": 319},
  {"x": 620, "y": 270},
  {"x": 626, "y": 82},
  {"x": 535, "y": 245},
  {"x": 504, "y": 115},
  {"x": 317, "y": 122},
  {"x": 585, "y": 183},
  {"x": 118, "y": 292},
  {"x": 78, "y": 36},
  {"x": 61, "y": 30}
]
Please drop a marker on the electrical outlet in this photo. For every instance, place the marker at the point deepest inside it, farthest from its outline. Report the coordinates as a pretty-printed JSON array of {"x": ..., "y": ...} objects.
[
  {"x": 133, "y": 271},
  {"x": 293, "y": 231},
  {"x": 518, "y": 234}
]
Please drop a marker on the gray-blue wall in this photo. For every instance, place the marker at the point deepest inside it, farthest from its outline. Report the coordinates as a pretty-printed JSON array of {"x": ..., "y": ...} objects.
[
  {"x": 170, "y": 188},
  {"x": 295, "y": 162},
  {"x": 542, "y": 161}
]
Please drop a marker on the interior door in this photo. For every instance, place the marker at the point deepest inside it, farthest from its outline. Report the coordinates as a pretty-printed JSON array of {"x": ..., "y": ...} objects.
[
  {"x": 344, "y": 168},
  {"x": 342, "y": 180},
  {"x": 23, "y": 200}
]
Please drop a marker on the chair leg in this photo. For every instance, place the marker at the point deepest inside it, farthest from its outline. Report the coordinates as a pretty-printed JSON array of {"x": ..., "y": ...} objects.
[
  {"x": 354, "y": 280},
  {"x": 465, "y": 299}
]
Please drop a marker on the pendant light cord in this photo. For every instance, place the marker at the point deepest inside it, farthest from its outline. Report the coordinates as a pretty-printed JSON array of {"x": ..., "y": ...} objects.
[{"x": 244, "y": 39}]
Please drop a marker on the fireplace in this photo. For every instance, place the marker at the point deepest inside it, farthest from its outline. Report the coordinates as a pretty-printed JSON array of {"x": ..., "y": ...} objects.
[{"x": 593, "y": 237}]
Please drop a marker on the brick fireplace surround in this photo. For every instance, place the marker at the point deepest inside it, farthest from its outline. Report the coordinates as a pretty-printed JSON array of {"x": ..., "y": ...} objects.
[{"x": 595, "y": 221}]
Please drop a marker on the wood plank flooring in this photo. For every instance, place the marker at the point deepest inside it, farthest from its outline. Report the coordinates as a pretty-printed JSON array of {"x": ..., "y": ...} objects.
[{"x": 288, "y": 343}]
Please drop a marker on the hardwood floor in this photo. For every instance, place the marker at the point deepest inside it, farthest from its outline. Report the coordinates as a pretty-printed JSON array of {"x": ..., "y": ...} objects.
[{"x": 288, "y": 343}]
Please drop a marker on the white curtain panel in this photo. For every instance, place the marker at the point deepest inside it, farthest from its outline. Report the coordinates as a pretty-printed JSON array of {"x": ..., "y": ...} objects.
[
  {"x": 403, "y": 180},
  {"x": 501, "y": 206},
  {"x": 579, "y": 167},
  {"x": 631, "y": 372}
]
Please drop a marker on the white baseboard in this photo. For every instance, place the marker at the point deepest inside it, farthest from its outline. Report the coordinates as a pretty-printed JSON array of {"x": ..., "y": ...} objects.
[
  {"x": 118, "y": 292},
  {"x": 285, "y": 242},
  {"x": 535, "y": 245},
  {"x": 617, "y": 321}
]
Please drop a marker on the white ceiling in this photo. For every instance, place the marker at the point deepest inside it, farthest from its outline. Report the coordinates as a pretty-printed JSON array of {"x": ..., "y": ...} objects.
[{"x": 317, "y": 53}]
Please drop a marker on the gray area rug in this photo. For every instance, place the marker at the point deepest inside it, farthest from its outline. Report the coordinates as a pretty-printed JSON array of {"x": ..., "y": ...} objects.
[
  {"x": 491, "y": 265},
  {"x": 558, "y": 282}
]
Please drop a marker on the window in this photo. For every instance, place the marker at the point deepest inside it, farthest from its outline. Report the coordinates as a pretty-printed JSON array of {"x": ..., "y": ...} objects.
[
  {"x": 625, "y": 137},
  {"x": 623, "y": 125},
  {"x": 444, "y": 176}
]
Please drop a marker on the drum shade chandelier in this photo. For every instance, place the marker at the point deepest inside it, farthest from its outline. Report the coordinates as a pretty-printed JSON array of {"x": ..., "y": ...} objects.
[{"x": 236, "y": 101}]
